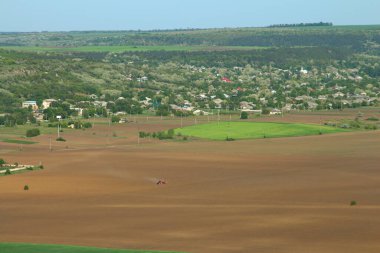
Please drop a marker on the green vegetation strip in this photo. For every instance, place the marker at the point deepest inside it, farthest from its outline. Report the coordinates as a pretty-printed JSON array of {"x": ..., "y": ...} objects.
[
  {"x": 254, "y": 130},
  {"x": 117, "y": 49},
  {"x": 46, "y": 248},
  {"x": 18, "y": 141}
]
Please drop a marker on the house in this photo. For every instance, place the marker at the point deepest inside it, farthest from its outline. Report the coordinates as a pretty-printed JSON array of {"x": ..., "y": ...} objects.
[
  {"x": 275, "y": 112},
  {"x": 322, "y": 98},
  {"x": 338, "y": 94},
  {"x": 27, "y": 104},
  {"x": 46, "y": 103},
  {"x": 200, "y": 112},
  {"x": 252, "y": 111},
  {"x": 218, "y": 103},
  {"x": 304, "y": 71},
  {"x": 100, "y": 103},
  {"x": 93, "y": 96},
  {"x": 246, "y": 105},
  {"x": 226, "y": 80}
]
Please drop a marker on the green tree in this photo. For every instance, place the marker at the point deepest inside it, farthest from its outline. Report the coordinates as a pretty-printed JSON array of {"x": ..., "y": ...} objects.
[
  {"x": 244, "y": 115},
  {"x": 2, "y": 162}
]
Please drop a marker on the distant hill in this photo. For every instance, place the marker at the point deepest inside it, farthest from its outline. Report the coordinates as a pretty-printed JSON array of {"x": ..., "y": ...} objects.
[{"x": 317, "y": 35}]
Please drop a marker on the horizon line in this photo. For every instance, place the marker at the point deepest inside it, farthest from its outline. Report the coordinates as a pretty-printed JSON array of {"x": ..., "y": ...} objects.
[{"x": 180, "y": 29}]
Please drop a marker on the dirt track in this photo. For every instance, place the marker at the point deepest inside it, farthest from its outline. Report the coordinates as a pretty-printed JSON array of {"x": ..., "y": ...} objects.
[{"x": 269, "y": 195}]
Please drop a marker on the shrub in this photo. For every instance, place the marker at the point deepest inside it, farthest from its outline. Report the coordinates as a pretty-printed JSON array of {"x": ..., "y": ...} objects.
[
  {"x": 60, "y": 139},
  {"x": 77, "y": 125},
  {"x": 41, "y": 167},
  {"x": 355, "y": 124},
  {"x": 2, "y": 162},
  {"x": 244, "y": 115},
  {"x": 171, "y": 133},
  {"x": 353, "y": 203},
  {"x": 29, "y": 168},
  {"x": 373, "y": 119},
  {"x": 229, "y": 139},
  {"x": 143, "y": 134},
  {"x": 115, "y": 119},
  {"x": 33, "y": 132},
  {"x": 26, "y": 187},
  {"x": 184, "y": 138},
  {"x": 87, "y": 125},
  {"x": 370, "y": 127},
  {"x": 8, "y": 172}
]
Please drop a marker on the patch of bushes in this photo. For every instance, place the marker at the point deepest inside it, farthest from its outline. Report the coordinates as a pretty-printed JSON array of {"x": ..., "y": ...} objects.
[
  {"x": 229, "y": 139},
  {"x": 370, "y": 127},
  {"x": 2, "y": 162},
  {"x": 60, "y": 139},
  {"x": 26, "y": 187},
  {"x": 353, "y": 203},
  {"x": 115, "y": 119},
  {"x": 330, "y": 124},
  {"x": 373, "y": 119},
  {"x": 144, "y": 134},
  {"x": 87, "y": 125},
  {"x": 33, "y": 132},
  {"x": 8, "y": 172},
  {"x": 354, "y": 124},
  {"x": 244, "y": 115}
]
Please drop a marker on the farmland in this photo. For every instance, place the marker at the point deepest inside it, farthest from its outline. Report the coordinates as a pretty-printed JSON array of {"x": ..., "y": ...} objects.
[
  {"x": 244, "y": 130},
  {"x": 258, "y": 195}
]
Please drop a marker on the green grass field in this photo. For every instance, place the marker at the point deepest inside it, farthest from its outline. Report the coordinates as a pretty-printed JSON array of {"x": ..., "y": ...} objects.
[
  {"x": 254, "y": 130},
  {"x": 117, "y": 49},
  {"x": 18, "y": 141},
  {"x": 42, "y": 248}
]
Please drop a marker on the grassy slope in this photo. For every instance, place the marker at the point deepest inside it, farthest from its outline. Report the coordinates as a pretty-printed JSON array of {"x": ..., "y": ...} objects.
[
  {"x": 38, "y": 248},
  {"x": 251, "y": 130}
]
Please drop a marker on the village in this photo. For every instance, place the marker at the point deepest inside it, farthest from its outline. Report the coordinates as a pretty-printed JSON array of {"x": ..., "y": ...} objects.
[{"x": 266, "y": 90}]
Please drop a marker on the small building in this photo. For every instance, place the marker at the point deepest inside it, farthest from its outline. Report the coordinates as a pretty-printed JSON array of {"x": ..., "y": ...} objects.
[
  {"x": 226, "y": 80},
  {"x": 46, "y": 103},
  {"x": 27, "y": 104},
  {"x": 275, "y": 112}
]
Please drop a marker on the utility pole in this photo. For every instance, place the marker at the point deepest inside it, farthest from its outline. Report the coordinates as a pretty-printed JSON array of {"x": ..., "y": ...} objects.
[{"x": 59, "y": 117}]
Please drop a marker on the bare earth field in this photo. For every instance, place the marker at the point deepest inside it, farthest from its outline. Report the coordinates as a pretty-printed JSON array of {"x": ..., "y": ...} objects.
[{"x": 268, "y": 195}]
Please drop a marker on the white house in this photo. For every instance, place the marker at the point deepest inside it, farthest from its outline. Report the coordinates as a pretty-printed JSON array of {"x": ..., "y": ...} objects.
[
  {"x": 33, "y": 104},
  {"x": 275, "y": 112},
  {"x": 47, "y": 103}
]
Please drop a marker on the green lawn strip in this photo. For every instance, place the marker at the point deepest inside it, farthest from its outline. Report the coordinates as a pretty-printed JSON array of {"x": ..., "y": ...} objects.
[
  {"x": 18, "y": 141},
  {"x": 47, "y": 248},
  {"x": 254, "y": 130}
]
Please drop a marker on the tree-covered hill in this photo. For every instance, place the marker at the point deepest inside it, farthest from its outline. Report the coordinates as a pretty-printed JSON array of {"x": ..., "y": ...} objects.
[{"x": 356, "y": 37}]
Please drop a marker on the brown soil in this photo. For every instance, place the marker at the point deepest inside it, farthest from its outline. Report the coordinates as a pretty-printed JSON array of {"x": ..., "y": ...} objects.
[{"x": 268, "y": 195}]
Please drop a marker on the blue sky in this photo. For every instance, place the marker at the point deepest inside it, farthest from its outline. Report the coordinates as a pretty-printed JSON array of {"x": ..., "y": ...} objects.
[{"x": 67, "y": 15}]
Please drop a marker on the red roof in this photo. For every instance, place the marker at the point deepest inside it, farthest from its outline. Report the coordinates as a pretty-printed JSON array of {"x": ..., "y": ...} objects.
[{"x": 225, "y": 79}]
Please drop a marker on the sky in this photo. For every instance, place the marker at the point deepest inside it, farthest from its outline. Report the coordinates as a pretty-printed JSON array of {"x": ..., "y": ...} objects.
[{"x": 79, "y": 15}]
